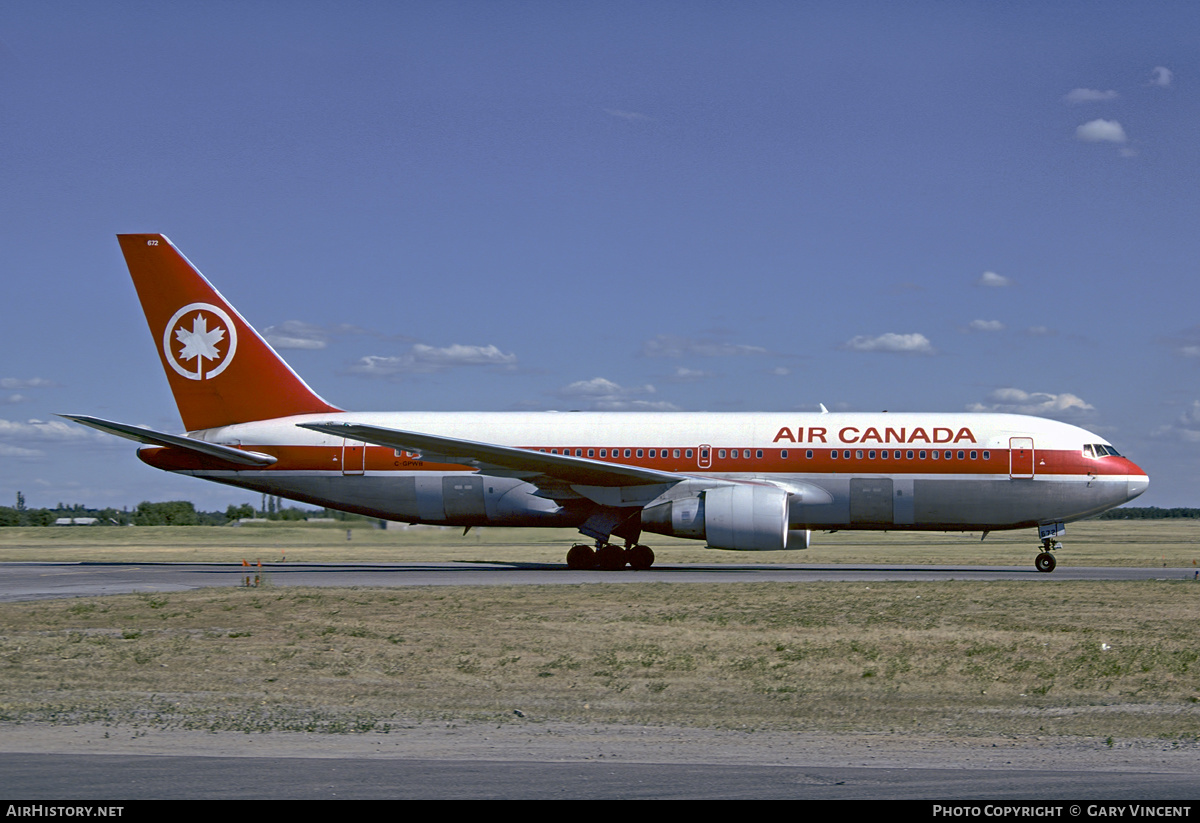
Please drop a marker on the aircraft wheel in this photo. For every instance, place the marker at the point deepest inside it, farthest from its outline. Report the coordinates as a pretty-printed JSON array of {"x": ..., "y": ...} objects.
[
  {"x": 610, "y": 558},
  {"x": 1045, "y": 562},
  {"x": 640, "y": 557},
  {"x": 581, "y": 557}
]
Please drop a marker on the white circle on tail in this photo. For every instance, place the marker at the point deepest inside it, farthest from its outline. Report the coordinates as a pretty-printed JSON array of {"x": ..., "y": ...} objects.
[{"x": 200, "y": 335}]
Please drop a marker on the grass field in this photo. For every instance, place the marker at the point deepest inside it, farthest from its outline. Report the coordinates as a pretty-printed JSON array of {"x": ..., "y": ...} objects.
[
  {"x": 1106, "y": 659},
  {"x": 1172, "y": 543}
]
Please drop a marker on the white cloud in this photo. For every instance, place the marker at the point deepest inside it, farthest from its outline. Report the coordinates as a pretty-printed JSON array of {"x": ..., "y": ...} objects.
[
  {"x": 986, "y": 325},
  {"x": 52, "y": 431},
  {"x": 602, "y": 394},
  {"x": 31, "y": 383},
  {"x": 669, "y": 345},
  {"x": 17, "y": 452},
  {"x": 991, "y": 280},
  {"x": 627, "y": 115},
  {"x": 891, "y": 342},
  {"x": 1186, "y": 343},
  {"x": 1041, "y": 404},
  {"x": 423, "y": 359},
  {"x": 295, "y": 334},
  {"x": 1089, "y": 96},
  {"x": 685, "y": 375},
  {"x": 14, "y": 399},
  {"x": 1186, "y": 428},
  {"x": 1101, "y": 131},
  {"x": 1162, "y": 76}
]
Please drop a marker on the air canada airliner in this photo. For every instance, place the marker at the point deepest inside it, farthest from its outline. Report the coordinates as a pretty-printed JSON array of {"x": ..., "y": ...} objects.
[{"x": 738, "y": 481}]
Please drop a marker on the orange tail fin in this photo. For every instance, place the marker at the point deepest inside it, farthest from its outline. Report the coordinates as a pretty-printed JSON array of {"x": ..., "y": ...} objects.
[{"x": 220, "y": 369}]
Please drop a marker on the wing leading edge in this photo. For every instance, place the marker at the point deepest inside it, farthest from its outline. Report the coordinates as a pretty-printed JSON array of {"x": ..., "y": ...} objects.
[{"x": 490, "y": 458}]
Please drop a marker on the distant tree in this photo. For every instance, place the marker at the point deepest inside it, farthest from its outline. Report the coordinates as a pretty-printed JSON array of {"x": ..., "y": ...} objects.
[
  {"x": 39, "y": 517},
  {"x": 238, "y": 512},
  {"x": 1149, "y": 513},
  {"x": 170, "y": 513}
]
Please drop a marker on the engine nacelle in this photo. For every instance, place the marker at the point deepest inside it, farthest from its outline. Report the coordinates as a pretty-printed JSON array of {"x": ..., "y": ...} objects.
[{"x": 735, "y": 517}]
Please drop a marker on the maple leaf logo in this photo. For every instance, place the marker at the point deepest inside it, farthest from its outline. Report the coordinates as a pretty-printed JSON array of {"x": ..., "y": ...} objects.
[
  {"x": 211, "y": 329},
  {"x": 199, "y": 342}
]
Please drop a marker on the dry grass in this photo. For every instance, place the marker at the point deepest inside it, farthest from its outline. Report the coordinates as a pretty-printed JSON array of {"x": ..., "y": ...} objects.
[
  {"x": 1093, "y": 658},
  {"x": 1173, "y": 543}
]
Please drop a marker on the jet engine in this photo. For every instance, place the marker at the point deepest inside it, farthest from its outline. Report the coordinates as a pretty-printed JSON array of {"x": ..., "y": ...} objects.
[{"x": 735, "y": 517}]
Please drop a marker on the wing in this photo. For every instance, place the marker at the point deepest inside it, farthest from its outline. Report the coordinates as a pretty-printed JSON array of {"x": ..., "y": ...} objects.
[
  {"x": 153, "y": 438},
  {"x": 559, "y": 476}
]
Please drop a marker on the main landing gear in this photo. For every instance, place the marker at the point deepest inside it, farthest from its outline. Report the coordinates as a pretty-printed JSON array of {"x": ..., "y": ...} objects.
[
  {"x": 1045, "y": 561},
  {"x": 609, "y": 557}
]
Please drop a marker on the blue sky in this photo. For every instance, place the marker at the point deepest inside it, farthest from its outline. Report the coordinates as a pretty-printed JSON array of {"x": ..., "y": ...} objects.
[{"x": 549, "y": 205}]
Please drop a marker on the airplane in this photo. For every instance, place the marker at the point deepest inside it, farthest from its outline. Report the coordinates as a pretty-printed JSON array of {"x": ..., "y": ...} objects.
[{"x": 738, "y": 481}]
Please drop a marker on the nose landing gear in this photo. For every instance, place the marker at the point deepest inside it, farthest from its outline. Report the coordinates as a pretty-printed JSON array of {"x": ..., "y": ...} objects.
[{"x": 1045, "y": 561}]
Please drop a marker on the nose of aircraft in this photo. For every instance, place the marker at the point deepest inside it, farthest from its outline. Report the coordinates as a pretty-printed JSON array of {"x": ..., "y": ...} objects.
[{"x": 1136, "y": 484}]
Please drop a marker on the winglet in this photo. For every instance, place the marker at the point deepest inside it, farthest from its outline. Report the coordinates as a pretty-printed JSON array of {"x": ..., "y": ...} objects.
[{"x": 220, "y": 369}]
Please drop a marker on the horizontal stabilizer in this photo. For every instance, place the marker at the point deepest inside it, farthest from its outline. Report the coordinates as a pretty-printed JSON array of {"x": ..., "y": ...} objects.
[{"x": 175, "y": 441}]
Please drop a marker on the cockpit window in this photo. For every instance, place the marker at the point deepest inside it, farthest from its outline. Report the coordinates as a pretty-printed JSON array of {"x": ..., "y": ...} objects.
[{"x": 1099, "y": 450}]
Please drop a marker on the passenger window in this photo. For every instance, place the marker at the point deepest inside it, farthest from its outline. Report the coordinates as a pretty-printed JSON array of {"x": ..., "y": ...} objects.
[
  {"x": 676, "y": 452},
  {"x": 808, "y": 454},
  {"x": 909, "y": 454},
  {"x": 974, "y": 455},
  {"x": 783, "y": 454},
  {"x": 833, "y": 455},
  {"x": 758, "y": 454},
  {"x": 960, "y": 455},
  {"x": 987, "y": 455},
  {"x": 721, "y": 453},
  {"x": 922, "y": 454},
  {"x": 871, "y": 454},
  {"x": 639, "y": 452},
  {"x": 858, "y": 454}
]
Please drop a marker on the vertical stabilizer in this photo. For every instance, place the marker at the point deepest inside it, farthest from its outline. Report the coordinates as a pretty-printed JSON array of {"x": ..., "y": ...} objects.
[{"x": 220, "y": 369}]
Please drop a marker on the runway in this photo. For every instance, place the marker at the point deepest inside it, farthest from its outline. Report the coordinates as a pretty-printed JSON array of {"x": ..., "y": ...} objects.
[
  {"x": 48, "y": 580},
  {"x": 123, "y": 777},
  {"x": 547, "y": 760}
]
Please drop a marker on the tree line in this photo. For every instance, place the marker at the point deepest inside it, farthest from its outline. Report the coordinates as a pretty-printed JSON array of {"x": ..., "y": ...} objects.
[
  {"x": 1149, "y": 513},
  {"x": 169, "y": 513},
  {"x": 184, "y": 513}
]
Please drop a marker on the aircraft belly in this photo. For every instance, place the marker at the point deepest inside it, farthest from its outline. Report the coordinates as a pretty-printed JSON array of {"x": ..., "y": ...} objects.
[
  {"x": 900, "y": 502},
  {"x": 1007, "y": 503}
]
